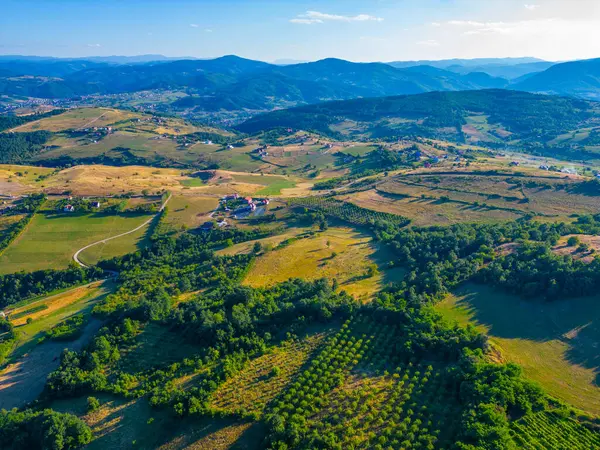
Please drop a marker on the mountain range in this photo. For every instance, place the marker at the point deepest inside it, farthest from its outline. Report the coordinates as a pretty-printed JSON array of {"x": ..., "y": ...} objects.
[{"x": 233, "y": 83}]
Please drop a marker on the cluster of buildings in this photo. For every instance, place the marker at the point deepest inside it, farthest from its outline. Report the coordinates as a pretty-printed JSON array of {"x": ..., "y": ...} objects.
[
  {"x": 261, "y": 151},
  {"x": 248, "y": 203},
  {"x": 70, "y": 208}
]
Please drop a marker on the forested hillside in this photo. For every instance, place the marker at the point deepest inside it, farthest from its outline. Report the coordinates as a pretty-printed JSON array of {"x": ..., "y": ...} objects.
[{"x": 522, "y": 114}]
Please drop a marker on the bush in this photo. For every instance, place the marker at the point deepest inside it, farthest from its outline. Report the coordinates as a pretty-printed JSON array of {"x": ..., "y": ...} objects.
[{"x": 92, "y": 404}]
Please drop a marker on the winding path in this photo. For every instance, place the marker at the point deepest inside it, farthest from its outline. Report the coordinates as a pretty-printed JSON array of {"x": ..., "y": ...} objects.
[{"x": 104, "y": 241}]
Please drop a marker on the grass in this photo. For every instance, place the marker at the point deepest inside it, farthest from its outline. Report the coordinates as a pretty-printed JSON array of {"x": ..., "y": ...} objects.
[
  {"x": 8, "y": 222},
  {"x": 134, "y": 424},
  {"x": 190, "y": 211},
  {"x": 48, "y": 312},
  {"x": 49, "y": 241},
  {"x": 105, "y": 180},
  {"x": 116, "y": 247},
  {"x": 555, "y": 343},
  {"x": 273, "y": 184},
  {"x": 78, "y": 118},
  {"x": 312, "y": 258},
  {"x": 427, "y": 212}
]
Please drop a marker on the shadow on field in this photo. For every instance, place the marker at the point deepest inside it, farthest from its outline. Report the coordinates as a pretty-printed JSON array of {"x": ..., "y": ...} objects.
[
  {"x": 134, "y": 424},
  {"x": 23, "y": 382},
  {"x": 575, "y": 322}
]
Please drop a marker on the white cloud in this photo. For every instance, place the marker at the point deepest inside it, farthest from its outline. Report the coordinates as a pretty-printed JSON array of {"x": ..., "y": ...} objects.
[
  {"x": 429, "y": 43},
  {"x": 194, "y": 25},
  {"x": 312, "y": 17},
  {"x": 94, "y": 45},
  {"x": 519, "y": 27},
  {"x": 208, "y": 30},
  {"x": 436, "y": 24},
  {"x": 467, "y": 23},
  {"x": 531, "y": 7},
  {"x": 305, "y": 21}
]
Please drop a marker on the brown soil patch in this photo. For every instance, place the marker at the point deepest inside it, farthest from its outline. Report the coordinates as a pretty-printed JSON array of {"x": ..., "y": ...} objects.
[{"x": 562, "y": 248}]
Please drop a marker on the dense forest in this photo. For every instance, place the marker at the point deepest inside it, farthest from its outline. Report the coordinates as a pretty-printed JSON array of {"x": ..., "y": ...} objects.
[
  {"x": 21, "y": 147},
  {"x": 528, "y": 116}
]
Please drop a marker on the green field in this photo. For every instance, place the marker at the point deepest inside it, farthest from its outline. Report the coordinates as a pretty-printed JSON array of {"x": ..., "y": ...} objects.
[
  {"x": 273, "y": 185},
  {"x": 555, "y": 343},
  {"x": 190, "y": 211},
  {"x": 78, "y": 118},
  {"x": 55, "y": 309},
  {"x": 116, "y": 247},
  {"x": 49, "y": 241},
  {"x": 340, "y": 253}
]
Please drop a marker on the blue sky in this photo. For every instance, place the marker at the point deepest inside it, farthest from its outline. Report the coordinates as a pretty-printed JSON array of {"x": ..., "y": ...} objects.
[{"x": 367, "y": 30}]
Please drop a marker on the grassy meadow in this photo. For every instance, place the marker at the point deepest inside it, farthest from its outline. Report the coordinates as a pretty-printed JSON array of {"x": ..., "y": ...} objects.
[
  {"x": 340, "y": 253},
  {"x": 78, "y": 118},
  {"x": 555, "y": 343},
  {"x": 47, "y": 312},
  {"x": 49, "y": 241},
  {"x": 190, "y": 211},
  {"x": 128, "y": 424}
]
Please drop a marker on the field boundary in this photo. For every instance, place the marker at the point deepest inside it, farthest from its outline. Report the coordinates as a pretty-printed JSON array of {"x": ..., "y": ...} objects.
[{"x": 104, "y": 241}]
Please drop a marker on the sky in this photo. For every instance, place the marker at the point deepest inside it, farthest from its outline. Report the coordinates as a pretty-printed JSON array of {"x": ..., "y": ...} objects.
[{"x": 268, "y": 30}]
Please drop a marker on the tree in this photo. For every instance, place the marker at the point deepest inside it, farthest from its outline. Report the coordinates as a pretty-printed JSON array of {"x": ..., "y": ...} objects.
[{"x": 92, "y": 404}]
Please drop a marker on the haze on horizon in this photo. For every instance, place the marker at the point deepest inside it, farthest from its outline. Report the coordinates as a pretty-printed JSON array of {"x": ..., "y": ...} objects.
[{"x": 381, "y": 30}]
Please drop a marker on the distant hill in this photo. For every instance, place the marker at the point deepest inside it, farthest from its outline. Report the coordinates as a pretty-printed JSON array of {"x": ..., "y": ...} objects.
[
  {"x": 332, "y": 79},
  {"x": 475, "y": 62},
  {"x": 213, "y": 84},
  {"x": 509, "y": 72},
  {"x": 578, "y": 79},
  {"x": 216, "y": 82},
  {"x": 519, "y": 115},
  {"x": 508, "y": 68}
]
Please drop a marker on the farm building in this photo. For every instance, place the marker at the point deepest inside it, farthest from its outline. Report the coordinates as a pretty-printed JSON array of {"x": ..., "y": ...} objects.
[
  {"x": 95, "y": 204},
  {"x": 248, "y": 200},
  {"x": 69, "y": 208}
]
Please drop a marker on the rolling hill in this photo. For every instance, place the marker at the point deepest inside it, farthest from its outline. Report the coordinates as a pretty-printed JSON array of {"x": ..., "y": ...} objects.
[
  {"x": 519, "y": 115},
  {"x": 577, "y": 78}
]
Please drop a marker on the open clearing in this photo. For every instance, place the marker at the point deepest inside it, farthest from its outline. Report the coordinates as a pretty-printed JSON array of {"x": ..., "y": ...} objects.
[
  {"x": 426, "y": 212},
  {"x": 593, "y": 243},
  {"x": 78, "y": 118},
  {"x": 190, "y": 211},
  {"x": 340, "y": 253},
  {"x": 556, "y": 343},
  {"x": 49, "y": 241},
  {"x": 24, "y": 380},
  {"x": 131, "y": 424}
]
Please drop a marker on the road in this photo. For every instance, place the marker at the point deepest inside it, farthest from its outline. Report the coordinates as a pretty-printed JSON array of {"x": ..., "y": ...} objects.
[{"x": 104, "y": 241}]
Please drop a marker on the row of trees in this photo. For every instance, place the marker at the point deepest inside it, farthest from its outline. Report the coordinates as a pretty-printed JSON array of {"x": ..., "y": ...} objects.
[{"x": 28, "y": 205}]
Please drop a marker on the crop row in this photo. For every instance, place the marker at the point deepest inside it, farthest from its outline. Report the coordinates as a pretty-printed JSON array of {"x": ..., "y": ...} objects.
[{"x": 346, "y": 211}]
